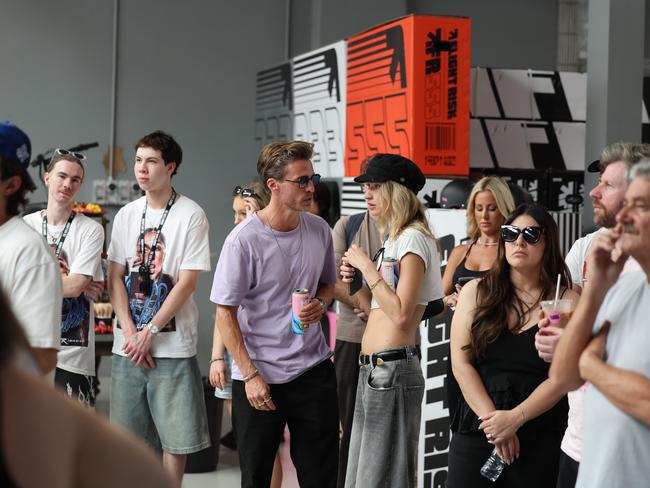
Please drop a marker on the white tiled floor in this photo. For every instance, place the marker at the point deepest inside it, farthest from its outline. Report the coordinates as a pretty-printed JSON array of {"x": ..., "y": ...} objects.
[{"x": 227, "y": 473}]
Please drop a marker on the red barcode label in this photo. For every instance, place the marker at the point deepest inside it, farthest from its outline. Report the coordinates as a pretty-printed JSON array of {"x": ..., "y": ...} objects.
[{"x": 441, "y": 137}]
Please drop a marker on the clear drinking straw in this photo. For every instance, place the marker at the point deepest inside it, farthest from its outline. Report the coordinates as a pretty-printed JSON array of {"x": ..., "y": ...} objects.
[{"x": 557, "y": 292}]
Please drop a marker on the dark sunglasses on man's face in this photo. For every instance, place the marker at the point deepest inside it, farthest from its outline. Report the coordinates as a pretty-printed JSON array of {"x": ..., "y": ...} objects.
[
  {"x": 303, "y": 181},
  {"x": 532, "y": 235},
  {"x": 244, "y": 192}
]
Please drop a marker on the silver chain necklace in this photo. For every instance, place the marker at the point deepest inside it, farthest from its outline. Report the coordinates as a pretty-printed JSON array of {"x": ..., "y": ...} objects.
[
  {"x": 268, "y": 221},
  {"x": 287, "y": 257},
  {"x": 486, "y": 244}
]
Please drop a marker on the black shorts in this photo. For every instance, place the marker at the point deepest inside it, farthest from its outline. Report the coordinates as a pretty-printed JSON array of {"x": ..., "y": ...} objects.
[{"x": 76, "y": 386}]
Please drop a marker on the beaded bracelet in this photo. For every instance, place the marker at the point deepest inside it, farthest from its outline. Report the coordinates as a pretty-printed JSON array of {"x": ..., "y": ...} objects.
[{"x": 251, "y": 376}]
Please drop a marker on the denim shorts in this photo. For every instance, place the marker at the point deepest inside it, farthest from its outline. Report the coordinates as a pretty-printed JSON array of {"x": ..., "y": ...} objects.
[
  {"x": 163, "y": 405},
  {"x": 226, "y": 393}
]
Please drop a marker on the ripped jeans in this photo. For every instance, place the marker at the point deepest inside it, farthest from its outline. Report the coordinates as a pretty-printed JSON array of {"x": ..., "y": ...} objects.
[{"x": 386, "y": 425}]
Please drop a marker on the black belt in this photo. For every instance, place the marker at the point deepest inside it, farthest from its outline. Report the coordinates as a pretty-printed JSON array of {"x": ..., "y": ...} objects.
[{"x": 381, "y": 357}]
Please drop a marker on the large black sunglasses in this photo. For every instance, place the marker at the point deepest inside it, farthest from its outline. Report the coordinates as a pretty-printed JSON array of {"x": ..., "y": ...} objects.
[
  {"x": 303, "y": 181},
  {"x": 244, "y": 192},
  {"x": 532, "y": 235}
]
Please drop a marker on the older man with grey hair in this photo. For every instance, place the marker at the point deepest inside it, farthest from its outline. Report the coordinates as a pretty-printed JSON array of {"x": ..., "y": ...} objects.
[
  {"x": 607, "y": 197},
  {"x": 606, "y": 344}
]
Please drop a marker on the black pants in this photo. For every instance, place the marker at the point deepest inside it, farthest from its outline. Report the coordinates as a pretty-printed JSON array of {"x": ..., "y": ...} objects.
[
  {"x": 76, "y": 386},
  {"x": 536, "y": 467},
  {"x": 568, "y": 474},
  {"x": 308, "y": 405},
  {"x": 346, "y": 362}
]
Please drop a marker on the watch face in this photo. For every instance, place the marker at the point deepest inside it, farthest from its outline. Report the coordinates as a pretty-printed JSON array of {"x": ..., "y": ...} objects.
[{"x": 153, "y": 329}]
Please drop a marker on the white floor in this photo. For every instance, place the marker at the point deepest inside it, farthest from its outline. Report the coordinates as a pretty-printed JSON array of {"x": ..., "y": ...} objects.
[{"x": 227, "y": 473}]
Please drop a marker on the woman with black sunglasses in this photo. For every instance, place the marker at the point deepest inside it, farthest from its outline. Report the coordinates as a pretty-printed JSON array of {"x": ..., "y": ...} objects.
[
  {"x": 508, "y": 401},
  {"x": 386, "y": 422}
]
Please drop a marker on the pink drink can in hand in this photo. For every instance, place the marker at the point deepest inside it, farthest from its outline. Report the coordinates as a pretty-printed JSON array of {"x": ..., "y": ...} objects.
[
  {"x": 299, "y": 299},
  {"x": 390, "y": 272}
]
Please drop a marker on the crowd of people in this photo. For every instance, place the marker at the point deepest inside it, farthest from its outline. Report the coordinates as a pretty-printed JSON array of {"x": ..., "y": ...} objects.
[{"x": 354, "y": 421}]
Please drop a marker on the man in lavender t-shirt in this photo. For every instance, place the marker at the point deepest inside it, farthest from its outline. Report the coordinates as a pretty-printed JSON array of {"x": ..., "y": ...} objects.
[{"x": 280, "y": 377}]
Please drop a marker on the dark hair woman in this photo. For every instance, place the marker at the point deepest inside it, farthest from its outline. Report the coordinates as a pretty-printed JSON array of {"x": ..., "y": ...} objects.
[{"x": 508, "y": 402}]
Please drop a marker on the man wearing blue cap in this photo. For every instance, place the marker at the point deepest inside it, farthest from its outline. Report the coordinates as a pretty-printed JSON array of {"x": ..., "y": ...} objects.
[{"x": 29, "y": 274}]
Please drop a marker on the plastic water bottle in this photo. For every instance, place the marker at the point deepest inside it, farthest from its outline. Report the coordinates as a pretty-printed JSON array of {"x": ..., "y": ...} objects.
[{"x": 493, "y": 466}]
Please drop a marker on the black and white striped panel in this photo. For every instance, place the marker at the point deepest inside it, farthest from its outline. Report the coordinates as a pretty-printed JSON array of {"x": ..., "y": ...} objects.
[
  {"x": 273, "y": 105},
  {"x": 569, "y": 224},
  {"x": 351, "y": 197},
  {"x": 319, "y": 106}
]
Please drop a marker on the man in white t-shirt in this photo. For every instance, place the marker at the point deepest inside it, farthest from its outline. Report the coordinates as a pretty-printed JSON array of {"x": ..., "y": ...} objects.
[
  {"x": 29, "y": 274},
  {"x": 607, "y": 197},
  {"x": 606, "y": 343},
  {"x": 77, "y": 242},
  {"x": 159, "y": 246}
]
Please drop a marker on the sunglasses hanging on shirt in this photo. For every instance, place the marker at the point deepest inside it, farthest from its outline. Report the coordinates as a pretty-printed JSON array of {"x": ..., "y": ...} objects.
[{"x": 532, "y": 235}]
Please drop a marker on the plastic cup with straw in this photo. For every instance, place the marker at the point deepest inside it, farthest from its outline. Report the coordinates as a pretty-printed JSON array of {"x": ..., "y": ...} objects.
[{"x": 558, "y": 310}]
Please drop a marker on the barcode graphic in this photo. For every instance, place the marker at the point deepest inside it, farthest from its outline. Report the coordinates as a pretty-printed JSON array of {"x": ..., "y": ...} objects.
[{"x": 440, "y": 137}]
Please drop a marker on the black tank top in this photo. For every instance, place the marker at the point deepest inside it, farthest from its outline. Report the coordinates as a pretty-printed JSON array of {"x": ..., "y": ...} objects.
[
  {"x": 510, "y": 371},
  {"x": 462, "y": 272}
]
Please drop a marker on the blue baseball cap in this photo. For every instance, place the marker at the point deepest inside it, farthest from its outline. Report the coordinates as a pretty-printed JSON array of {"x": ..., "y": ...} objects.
[{"x": 14, "y": 144}]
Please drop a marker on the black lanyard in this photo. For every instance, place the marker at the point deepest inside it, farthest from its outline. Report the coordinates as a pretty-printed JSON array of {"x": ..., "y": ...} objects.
[
  {"x": 147, "y": 267},
  {"x": 64, "y": 234}
]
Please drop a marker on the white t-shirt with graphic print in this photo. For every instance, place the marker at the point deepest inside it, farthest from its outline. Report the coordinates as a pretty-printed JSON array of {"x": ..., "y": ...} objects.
[
  {"x": 81, "y": 254},
  {"x": 182, "y": 245}
]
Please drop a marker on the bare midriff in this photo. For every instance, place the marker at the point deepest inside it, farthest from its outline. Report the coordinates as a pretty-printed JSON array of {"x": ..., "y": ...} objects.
[{"x": 382, "y": 333}]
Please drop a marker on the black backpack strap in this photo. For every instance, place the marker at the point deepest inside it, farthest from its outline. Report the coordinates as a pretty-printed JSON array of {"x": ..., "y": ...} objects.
[{"x": 352, "y": 227}]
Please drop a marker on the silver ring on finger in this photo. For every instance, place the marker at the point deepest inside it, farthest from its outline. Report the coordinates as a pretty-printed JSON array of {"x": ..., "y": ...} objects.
[{"x": 488, "y": 436}]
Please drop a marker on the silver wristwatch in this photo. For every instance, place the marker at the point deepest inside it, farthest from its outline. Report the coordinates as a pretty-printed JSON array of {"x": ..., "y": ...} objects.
[{"x": 153, "y": 328}]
